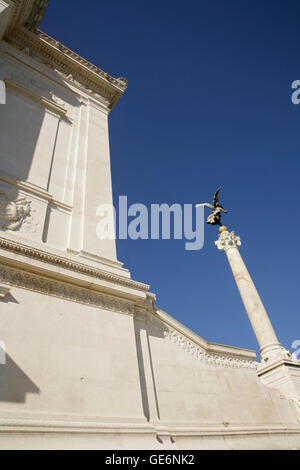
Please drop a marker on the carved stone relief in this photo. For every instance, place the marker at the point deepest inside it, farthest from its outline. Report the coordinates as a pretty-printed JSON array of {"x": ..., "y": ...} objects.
[
  {"x": 13, "y": 214},
  {"x": 208, "y": 358},
  {"x": 63, "y": 290}
]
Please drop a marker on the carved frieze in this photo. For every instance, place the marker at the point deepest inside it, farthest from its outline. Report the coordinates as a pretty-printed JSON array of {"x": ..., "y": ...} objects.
[
  {"x": 47, "y": 286},
  {"x": 208, "y": 358},
  {"x": 65, "y": 263},
  {"x": 63, "y": 290}
]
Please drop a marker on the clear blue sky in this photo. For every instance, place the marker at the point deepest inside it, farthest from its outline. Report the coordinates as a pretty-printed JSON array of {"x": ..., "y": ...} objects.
[{"x": 208, "y": 103}]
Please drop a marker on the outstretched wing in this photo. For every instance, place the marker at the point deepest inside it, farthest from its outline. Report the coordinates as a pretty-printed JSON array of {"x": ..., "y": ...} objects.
[
  {"x": 216, "y": 196},
  {"x": 206, "y": 204}
]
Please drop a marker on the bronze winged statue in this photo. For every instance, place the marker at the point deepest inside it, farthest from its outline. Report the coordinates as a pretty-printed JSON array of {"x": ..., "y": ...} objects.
[{"x": 216, "y": 210}]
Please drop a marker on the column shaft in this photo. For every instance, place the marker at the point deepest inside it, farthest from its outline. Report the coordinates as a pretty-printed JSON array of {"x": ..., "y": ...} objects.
[
  {"x": 270, "y": 348},
  {"x": 255, "y": 309}
]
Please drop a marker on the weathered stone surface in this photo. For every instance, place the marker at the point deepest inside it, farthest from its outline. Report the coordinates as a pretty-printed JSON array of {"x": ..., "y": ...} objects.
[{"x": 91, "y": 361}]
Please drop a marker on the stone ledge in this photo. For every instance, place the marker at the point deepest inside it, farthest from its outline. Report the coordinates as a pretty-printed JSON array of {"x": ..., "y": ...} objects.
[
  {"x": 122, "y": 435},
  {"x": 47, "y": 261},
  {"x": 282, "y": 362},
  {"x": 104, "y": 425}
]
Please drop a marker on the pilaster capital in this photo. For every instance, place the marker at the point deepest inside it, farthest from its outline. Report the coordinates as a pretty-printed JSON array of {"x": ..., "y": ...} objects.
[{"x": 227, "y": 240}]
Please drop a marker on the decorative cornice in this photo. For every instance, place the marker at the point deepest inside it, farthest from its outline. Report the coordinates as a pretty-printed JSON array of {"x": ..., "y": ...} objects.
[
  {"x": 208, "y": 358},
  {"x": 19, "y": 278},
  {"x": 37, "y": 13},
  {"x": 120, "y": 82},
  {"x": 227, "y": 240},
  {"x": 27, "y": 12},
  {"x": 20, "y": 8},
  {"x": 56, "y": 260},
  {"x": 70, "y": 66}
]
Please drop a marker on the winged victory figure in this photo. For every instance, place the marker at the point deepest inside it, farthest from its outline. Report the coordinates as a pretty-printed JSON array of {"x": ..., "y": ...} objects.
[{"x": 216, "y": 210}]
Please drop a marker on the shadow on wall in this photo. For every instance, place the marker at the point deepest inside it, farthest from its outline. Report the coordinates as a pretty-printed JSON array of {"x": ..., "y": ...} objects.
[
  {"x": 9, "y": 298},
  {"x": 143, "y": 329},
  {"x": 14, "y": 383},
  {"x": 21, "y": 120},
  {"x": 22, "y": 154}
]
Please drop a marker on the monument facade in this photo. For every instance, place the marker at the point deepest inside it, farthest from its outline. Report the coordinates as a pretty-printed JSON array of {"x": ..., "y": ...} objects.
[{"x": 91, "y": 361}]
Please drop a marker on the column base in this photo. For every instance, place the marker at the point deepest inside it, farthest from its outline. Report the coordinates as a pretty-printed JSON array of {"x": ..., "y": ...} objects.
[
  {"x": 274, "y": 352},
  {"x": 284, "y": 375}
]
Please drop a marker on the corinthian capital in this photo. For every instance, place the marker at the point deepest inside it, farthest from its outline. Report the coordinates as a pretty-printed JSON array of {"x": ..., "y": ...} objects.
[{"x": 227, "y": 240}]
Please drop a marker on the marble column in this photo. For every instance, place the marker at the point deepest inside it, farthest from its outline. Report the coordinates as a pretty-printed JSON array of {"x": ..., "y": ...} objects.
[
  {"x": 270, "y": 348},
  {"x": 277, "y": 369}
]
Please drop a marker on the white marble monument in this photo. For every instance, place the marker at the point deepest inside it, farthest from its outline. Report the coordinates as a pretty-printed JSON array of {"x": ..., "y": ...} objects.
[{"x": 91, "y": 361}]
